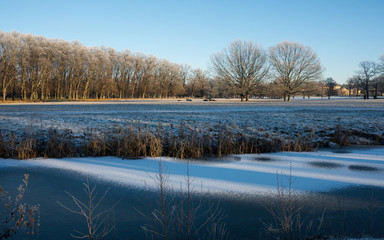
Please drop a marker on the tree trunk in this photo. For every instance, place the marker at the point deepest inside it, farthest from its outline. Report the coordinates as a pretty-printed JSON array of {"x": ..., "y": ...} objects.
[
  {"x": 4, "y": 87},
  {"x": 22, "y": 93},
  {"x": 58, "y": 91},
  {"x": 132, "y": 91},
  {"x": 70, "y": 91},
  {"x": 42, "y": 90},
  {"x": 86, "y": 90},
  {"x": 4, "y": 93}
]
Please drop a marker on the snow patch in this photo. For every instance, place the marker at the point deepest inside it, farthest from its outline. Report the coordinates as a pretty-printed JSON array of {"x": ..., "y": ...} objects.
[{"x": 245, "y": 175}]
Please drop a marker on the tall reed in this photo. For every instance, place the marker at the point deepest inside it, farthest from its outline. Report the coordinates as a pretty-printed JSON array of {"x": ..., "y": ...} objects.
[{"x": 137, "y": 141}]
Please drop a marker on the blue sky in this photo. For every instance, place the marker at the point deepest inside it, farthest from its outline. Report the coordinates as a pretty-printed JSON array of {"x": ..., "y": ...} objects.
[{"x": 341, "y": 32}]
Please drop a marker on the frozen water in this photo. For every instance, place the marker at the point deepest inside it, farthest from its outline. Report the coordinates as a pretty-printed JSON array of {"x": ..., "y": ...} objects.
[{"x": 239, "y": 174}]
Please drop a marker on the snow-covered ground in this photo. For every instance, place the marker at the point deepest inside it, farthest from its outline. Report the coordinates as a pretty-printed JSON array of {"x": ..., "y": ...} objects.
[
  {"x": 238, "y": 175},
  {"x": 260, "y": 118},
  {"x": 315, "y": 171}
]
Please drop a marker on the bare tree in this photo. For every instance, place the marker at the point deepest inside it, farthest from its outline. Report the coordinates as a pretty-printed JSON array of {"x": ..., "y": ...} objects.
[
  {"x": 34, "y": 67},
  {"x": 350, "y": 85},
  {"x": 198, "y": 83},
  {"x": 202, "y": 83},
  {"x": 148, "y": 76},
  {"x": 8, "y": 53},
  {"x": 293, "y": 65},
  {"x": 39, "y": 68},
  {"x": 368, "y": 70},
  {"x": 243, "y": 66},
  {"x": 330, "y": 83},
  {"x": 311, "y": 88},
  {"x": 377, "y": 84},
  {"x": 173, "y": 81},
  {"x": 381, "y": 63},
  {"x": 380, "y": 87},
  {"x": 185, "y": 71},
  {"x": 358, "y": 84}
]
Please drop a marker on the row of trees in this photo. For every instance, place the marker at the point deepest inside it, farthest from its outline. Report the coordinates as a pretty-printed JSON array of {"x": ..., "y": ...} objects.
[
  {"x": 37, "y": 68},
  {"x": 33, "y": 67},
  {"x": 369, "y": 79}
]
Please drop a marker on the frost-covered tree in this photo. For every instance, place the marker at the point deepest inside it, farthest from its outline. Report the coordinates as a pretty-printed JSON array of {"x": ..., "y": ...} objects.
[
  {"x": 168, "y": 79},
  {"x": 38, "y": 68},
  {"x": 8, "y": 52},
  {"x": 198, "y": 83},
  {"x": 34, "y": 67},
  {"x": 293, "y": 65},
  {"x": 242, "y": 66},
  {"x": 185, "y": 74}
]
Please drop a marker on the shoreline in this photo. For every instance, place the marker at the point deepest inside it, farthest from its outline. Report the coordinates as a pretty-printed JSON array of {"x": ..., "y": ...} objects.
[{"x": 184, "y": 101}]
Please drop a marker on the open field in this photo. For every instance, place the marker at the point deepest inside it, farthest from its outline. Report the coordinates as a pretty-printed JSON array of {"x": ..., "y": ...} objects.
[
  {"x": 354, "y": 121},
  {"x": 341, "y": 187}
]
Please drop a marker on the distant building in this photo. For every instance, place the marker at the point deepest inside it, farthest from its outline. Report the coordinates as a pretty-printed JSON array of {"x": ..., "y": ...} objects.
[{"x": 340, "y": 90}]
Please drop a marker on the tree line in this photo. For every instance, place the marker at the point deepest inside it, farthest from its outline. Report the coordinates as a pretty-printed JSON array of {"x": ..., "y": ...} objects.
[
  {"x": 368, "y": 80},
  {"x": 37, "y": 68}
]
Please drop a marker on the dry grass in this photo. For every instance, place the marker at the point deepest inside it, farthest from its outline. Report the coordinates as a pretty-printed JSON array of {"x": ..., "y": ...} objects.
[
  {"x": 341, "y": 136},
  {"x": 89, "y": 209},
  {"x": 27, "y": 148},
  {"x": 180, "y": 216},
  {"x": 59, "y": 145},
  {"x": 287, "y": 220},
  {"x": 16, "y": 216},
  {"x": 137, "y": 141}
]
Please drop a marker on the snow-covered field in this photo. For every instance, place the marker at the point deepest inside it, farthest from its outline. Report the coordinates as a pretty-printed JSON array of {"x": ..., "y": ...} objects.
[
  {"x": 262, "y": 118},
  {"x": 238, "y": 175}
]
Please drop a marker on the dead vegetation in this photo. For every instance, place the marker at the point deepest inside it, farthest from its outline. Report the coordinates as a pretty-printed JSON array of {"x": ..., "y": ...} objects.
[
  {"x": 178, "y": 215},
  {"x": 137, "y": 140},
  {"x": 17, "y": 216},
  {"x": 341, "y": 136},
  {"x": 288, "y": 220},
  {"x": 91, "y": 209}
]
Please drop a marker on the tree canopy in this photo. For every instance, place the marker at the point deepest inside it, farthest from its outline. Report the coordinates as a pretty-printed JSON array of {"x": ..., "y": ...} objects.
[
  {"x": 243, "y": 66},
  {"x": 293, "y": 65}
]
